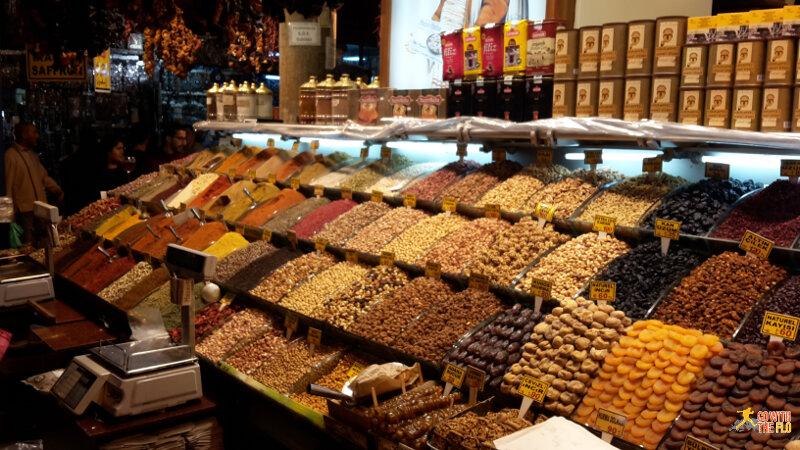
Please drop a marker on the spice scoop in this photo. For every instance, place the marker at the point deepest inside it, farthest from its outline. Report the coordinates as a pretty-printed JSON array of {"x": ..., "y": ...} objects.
[
  {"x": 250, "y": 196},
  {"x": 108, "y": 255},
  {"x": 322, "y": 391}
]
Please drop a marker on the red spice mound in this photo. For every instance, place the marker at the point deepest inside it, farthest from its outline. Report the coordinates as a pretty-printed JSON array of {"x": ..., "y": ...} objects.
[{"x": 318, "y": 218}]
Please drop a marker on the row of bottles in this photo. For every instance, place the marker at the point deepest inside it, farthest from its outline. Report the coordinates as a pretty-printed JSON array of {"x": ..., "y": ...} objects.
[
  {"x": 245, "y": 103},
  {"x": 330, "y": 102}
]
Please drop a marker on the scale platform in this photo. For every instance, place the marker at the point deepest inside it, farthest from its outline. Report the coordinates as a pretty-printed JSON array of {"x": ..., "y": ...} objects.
[
  {"x": 125, "y": 381},
  {"x": 21, "y": 280}
]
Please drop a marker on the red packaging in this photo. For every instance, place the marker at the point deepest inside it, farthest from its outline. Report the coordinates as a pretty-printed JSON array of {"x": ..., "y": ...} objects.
[
  {"x": 492, "y": 49},
  {"x": 453, "y": 56},
  {"x": 542, "y": 46},
  {"x": 5, "y": 340}
]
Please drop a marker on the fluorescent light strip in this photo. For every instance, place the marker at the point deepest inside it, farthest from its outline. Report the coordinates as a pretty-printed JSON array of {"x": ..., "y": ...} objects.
[
  {"x": 747, "y": 159},
  {"x": 272, "y": 77},
  {"x": 429, "y": 146},
  {"x": 338, "y": 143},
  {"x": 259, "y": 137},
  {"x": 620, "y": 155}
]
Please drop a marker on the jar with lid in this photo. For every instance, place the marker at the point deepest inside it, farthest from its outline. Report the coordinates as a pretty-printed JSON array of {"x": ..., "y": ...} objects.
[
  {"x": 308, "y": 101},
  {"x": 219, "y": 102},
  {"x": 324, "y": 93},
  {"x": 340, "y": 99},
  {"x": 264, "y": 107},
  {"x": 229, "y": 102},
  {"x": 245, "y": 103},
  {"x": 360, "y": 83},
  {"x": 211, "y": 102}
]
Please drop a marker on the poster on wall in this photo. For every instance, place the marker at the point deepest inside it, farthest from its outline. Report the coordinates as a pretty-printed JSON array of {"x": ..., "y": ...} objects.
[{"x": 415, "y": 47}]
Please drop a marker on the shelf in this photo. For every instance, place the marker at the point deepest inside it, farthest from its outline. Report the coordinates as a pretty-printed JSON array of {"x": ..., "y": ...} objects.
[{"x": 567, "y": 132}]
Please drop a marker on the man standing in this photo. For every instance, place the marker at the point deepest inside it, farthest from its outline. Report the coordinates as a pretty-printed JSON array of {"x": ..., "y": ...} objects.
[{"x": 26, "y": 178}]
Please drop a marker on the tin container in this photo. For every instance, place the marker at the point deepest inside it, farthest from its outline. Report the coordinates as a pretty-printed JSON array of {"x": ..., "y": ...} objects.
[
  {"x": 471, "y": 39},
  {"x": 343, "y": 98},
  {"x": 484, "y": 103},
  {"x": 566, "y": 59},
  {"x": 459, "y": 98},
  {"x": 430, "y": 103},
  {"x": 776, "y": 111},
  {"x": 402, "y": 102},
  {"x": 511, "y": 98},
  {"x": 452, "y": 55},
  {"x": 308, "y": 101},
  {"x": 664, "y": 98},
  {"x": 795, "y": 110},
  {"x": 718, "y": 108},
  {"x": 637, "y": 99},
  {"x": 610, "y": 97},
  {"x": 749, "y": 67},
  {"x": 781, "y": 59},
  {"x": 370, "y": 102},
  {"x": 564, "y": 98},
  {"x": 690, "y": 111},
  {"x": 699, "y": 30},
  {"x": 720, "y": 64},
  {"x": 639, "y": 59},
  {"x": 746, "y": 109},
  {"x": 586, "y": 98},
  {"x": 695, "y": 63},
  {"x": 492, "y": 50},
  {"x": 613, "y": 47},
  {"x": 589, "y": 56},
  {"x": 541, "y": 46},
  {"x": 670, "y": 36},
  {"x": 324, "y": 101},
  {"x": 515, "y": 35},
  {"x": 538, "y": 97}
]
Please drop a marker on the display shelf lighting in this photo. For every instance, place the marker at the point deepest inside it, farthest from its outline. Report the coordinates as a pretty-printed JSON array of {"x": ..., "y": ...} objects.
[
  {"x": 272, "y": 77},
  {"x": 257, "y": 137},
  {"x": 335, "y": 143},
  {"x": 430, "y": 146},
  {"x": 615, "y": 155},
  {"x": 747, "y": 159}
]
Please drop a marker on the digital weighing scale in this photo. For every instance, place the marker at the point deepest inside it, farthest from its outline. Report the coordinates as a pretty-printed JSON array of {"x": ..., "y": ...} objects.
[
  {"x": 134, "y": 378},
  {"x": 22, "y": 280}
]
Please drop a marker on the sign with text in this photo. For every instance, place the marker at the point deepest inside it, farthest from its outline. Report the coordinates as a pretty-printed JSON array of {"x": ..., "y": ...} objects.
[
  {"x": 541, "y": 288},
  {"x": 533, "y": 388},
  {"x": 479, "y": 281},
  {"x": 410, "y": 200},
  {"x": 433, "y": 270},
  {"x": 652, "y": 165},
  {"x": 593, "y": 157},
  {"x": 545, "y": 211},
  {"x": 604, "y": 224},
  {"x": 314, "y": 336},
  {"x": 790, "y": 168},
  {"x": 266, "y": 235},
  {"x": 295, "y": 183},
  {"x": 780, "y": 325},
  {"x": 492, "y": 211},
  {"x": 718, "y": 171},
  {"x": 498, "y": 155},
  {"x": 669, "y": 229},
  {"x": 351, "y": 256},
  {"x": 376, "y": 196},
  {"x": 454, "y": 375},
  {"x": 42, "y": 68},
  {"x": 102, "y": 71},
  {"x": 347, "y": 193},
  {"x": 756, "y": 245},
  {"x": 692, "y": 443},
  {"x": 387, "y": 258},
  {"x": 320, "y": 244},
  {"x": 610, "y": 422},
  {"x": 355, "y": 369},
  {"x": 319, "y": 190},
  {"x": 304, "y": 34},
  {"x": 604, "y": 291},
  {"x": 386, "y": 152},
  {"x": 272, "y": 178},
  {"x": 544, "y": 157},
  {"x": 475, "y": 378},
  {"x": 449, "y": 204}
]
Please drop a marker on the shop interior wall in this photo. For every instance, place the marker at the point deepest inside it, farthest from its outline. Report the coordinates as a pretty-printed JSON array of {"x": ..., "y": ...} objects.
[{"x": 595, "y": 12}]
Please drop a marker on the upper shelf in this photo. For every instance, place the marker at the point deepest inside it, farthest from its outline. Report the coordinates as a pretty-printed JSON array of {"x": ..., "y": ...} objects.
[{"x": 555, "y": 133}]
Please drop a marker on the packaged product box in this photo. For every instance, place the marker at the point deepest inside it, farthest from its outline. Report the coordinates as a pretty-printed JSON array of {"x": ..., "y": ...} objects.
[
  {"x": 492, "y": 50},
  {"x": 695, "y": 62},
  {"x": 432, "y": 103},
  {"x": 749, "y": 67},
  {"x": 586, "y": 98},
  {"x": 541, "y": 46},
  {"x": 613, "y": 49},
  {"x": 720, "y": 64},
  {"x": 746, "y": 108},
  {"x": 717, "y": 108},
  {"x": 664, "y": 98},
  {"x": 700, "y": 30},
  {"x": 765, "y": 23},
  {"x": 639, "y": 58},
  {"x": 566, "y": 59},
  {"x": 370, "y": 102},
  {"x": 472, "y": 52},
  {"x": 511, "y": 98},
  {"x": 484, "y": 103},
  {"x": 452, "y": 55},
  {"x": 791, "y": 21},
  {"x": 564, "y": 98},
  {"x": 690, "y": 111},
  {"x": 611, "y": 97},
  {"x": 459, "y": 98},
  {"x": 670, "y": 36},
  {"x": 402, "y": 102},
  {"x": 795, "y": 110},
  {"x": 538, "y": 97},
  {"x": 589, "y": 57},
  {"x": 732, "y": 27},
  {"x": 515, "y": 35},
  {"x": 776, "y": 110},
  {"x": 637, "y": 98},
  {"x": 780, "y": 61}
]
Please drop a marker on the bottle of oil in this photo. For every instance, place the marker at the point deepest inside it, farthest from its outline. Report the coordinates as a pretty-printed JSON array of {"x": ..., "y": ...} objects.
[
  {"x": 308, "y": 101},
  {"x": 245, "y": 103},
  {"x": 229, "y": 102},
  {"x": 211, "y": 102},
  {"x": 264, "y": 108},
  {"x": 220, "y": 116},
  {"x": 340, "y": 99},
  {"x": 324, "y": 93}
]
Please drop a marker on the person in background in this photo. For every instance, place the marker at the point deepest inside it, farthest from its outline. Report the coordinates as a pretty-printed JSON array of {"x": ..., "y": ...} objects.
[
  {"x": 26, "y": 178},
  {"x": 110, "y": 174},
  {"x": 194, "y": 141},
  {"x": 139, "y": 147},
  {"x": 175, "y": 143}
]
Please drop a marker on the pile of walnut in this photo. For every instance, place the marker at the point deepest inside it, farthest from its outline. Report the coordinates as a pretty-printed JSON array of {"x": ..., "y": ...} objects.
[
  {"x": 566, "y": 350},
  {"x": 175, "y": 44}
]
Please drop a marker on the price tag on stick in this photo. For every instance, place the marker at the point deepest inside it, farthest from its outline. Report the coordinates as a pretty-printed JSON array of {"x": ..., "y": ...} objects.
[
  {"x": 295, "y": 183},
  {"x": 433, "y": 270},
  {"x": 667, "y": 230},
  {"x": 532, "y": 390},
  {"x": 544, "y": 157},
  {"x": 320, "y": 244},
  {"x": 351, "y": 256},
  {"x": 319, "y": 190},
  {"x": 610, "y": 424},
  {"x": 593, "y": 158},
  {"x": 410, "y": 200},
  {"x": 290, "y": 323},
  {"x": 376, "y": 196},
  {"x": 604, "y": 225},
  {"x": 291, "y": 236},
  {"x": 652, "y": 165},
  {"x": 718, "y": 171},
  {"x": 452, "y": 376},
  {"x": 492, "y": 211},
  {"x": 756, "y": 246},
  {"x": 602, "y": 291},
  {"x": 387, "y": 258},
  {"x": 314, "y": 338},
  {"x": 780, "y": 326},
  {"x": 474, "y": 380},
  {"x": 544, "y": 213},
  {"x": 791, "y": 168},
  {"x": 479, "y": 281},
  {"x": 692, "y": 443},
  {"x": 449, "y": 204},
  {"x": 347, "y": 193},
  {"x": 355, "y": 369},
  {"x": 541, "y": 290},
  {"x": 266, "y": 235}
]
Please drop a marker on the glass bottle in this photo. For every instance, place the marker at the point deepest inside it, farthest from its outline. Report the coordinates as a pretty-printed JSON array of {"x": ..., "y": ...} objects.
[
  {"x": 340, "y": 100},
  {"x": 211, "y": 102},
  {"x": 229, "y": 102},
  {"x": 324, "y": 92},
  {"x": 245, "y": 103},
  {"x": 220, "y": 103},
  {"x": 308, "y": 101},
  {"x": 264, "y": 103}
]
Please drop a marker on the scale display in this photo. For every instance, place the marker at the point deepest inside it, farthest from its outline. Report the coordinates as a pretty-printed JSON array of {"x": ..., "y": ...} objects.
[{"x": 73, "y": 384}]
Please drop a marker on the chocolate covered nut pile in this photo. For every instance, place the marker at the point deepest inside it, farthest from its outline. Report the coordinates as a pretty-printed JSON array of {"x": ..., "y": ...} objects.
[
  {"x": 566, "y": 350},
  {"x": 717, "y": 295}
]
